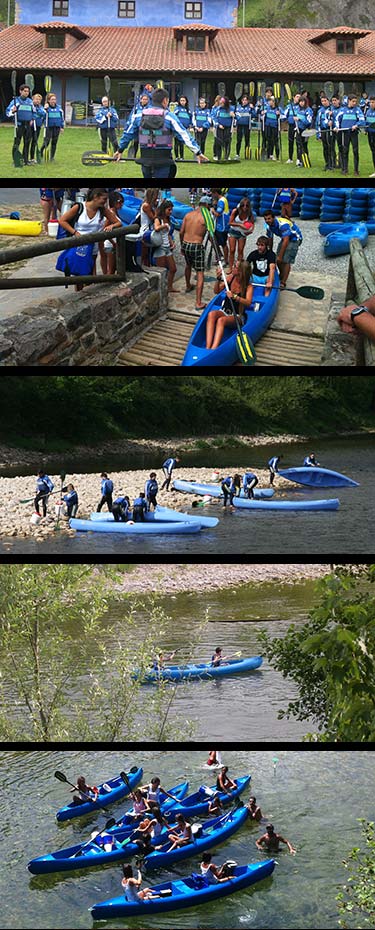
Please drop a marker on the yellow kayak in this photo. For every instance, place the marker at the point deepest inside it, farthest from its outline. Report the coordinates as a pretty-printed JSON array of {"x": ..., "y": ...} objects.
[{"x": 20, "y": 227}]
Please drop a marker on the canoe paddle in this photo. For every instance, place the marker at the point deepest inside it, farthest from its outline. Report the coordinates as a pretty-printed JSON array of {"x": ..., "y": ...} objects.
[
  {"x": 110, "y": 823},
  {"x": 312, "y": 293},
  {"x": 61, "y": 777},
  {"x": 28, "y": 500},
  {"x": 244, "y": 346},
  {"x": 62, "y": 479}
]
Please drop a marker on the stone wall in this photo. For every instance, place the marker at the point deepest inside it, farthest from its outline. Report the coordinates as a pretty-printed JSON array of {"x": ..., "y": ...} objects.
[{"x": 90, "y": 328}]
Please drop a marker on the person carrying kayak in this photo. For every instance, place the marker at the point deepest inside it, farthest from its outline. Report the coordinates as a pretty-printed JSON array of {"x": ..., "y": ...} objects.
[
  {"x": 84, "y": 790},
  {"x": 273, "y": 466},
  {"x": 249, "y": 481},
  {"x": 310, "y": 461},
  {"x": 255, "y": 812},
  {"x": 291, "y": 240},
  {"x": 44, "y": 486},
  {"x": 121, "y": 509},
  {"x": 139, "y": 508},
  {"x": 183, "y": 836},
  {"x": 168, "y": 467},
  {"x": 224, "y": 783},
  {"x": 215, "y": 874},
  {"x": 151, "y": 490},
  {"x": 71, "y": 500},
  {"x": 107, "y": 491},
  {"x": 272, "y": 840}
]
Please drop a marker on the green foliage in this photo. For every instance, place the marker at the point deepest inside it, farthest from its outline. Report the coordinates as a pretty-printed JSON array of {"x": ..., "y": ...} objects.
[
  {"x": 356, "y": 901},
  {"x": 84, "y": 409},
  {"x": 331, "y": 659},
  {"x": 266, "y": 13}
]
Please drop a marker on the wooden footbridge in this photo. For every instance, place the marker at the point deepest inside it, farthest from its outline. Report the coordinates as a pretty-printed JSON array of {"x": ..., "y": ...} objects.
[{"x": 295, "y": 338}]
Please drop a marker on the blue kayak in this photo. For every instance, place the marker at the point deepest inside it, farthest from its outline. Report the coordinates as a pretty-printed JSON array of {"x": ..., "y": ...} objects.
[
  {"x": 338, "y": 242},
  {"x": 214, "y": 490},
  {"x": 112, "y": 790},
  {"x": 197, "y": 804},
  {"x": 255, "y": 325},
  {"x": 316, "y": 477},
  {"x": 202, "y": 671},
  {"x": 286, "y": 505},
  {"x": 130, "y": 818},
  {"x": 166, "y": 515},
  {"x": 210, "y": 834},
  {"x": 185, "y": 892},
  {"x": 132, "y": 529}
]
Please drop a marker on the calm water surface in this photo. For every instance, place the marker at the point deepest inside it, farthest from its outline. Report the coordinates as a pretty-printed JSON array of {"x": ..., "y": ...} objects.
[{"x": 305, "y": 794}]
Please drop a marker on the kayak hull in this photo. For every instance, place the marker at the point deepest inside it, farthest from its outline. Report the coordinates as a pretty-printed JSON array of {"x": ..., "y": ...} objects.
[
  {"x": 102, "y": 526},
  {"x": 256, "y": 324},
  {"x": 20, "y": 227},
  {"x": 202, "y": 671},
  {"x": 338, "y": 242},
  {"x": 283, "y": 506},
  {"x": 214, "y": 490},
  {"x": 118, "y": 791},
  {"x": 197, "y": 804},
  {"x": 165, "y": 515},
  {"x": 315, "y": 477},
  {"x": 213, "y": 832},
  {"x": 179, "y": 791},
  {"x": 184, "y": 894}
]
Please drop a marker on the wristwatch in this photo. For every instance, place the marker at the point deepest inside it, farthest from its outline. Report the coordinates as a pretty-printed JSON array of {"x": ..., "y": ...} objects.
[{"x": 358, "y": 311}]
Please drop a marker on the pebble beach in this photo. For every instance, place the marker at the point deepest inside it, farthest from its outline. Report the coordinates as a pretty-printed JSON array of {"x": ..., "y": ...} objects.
[{"x": 173, "y": 579}]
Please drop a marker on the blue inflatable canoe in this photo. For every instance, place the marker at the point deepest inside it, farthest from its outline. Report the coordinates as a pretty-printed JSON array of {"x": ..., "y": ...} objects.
[
  {"x": 338, "y": 243},
  {"x": 166, "y": 515},
  {"x": 133, "y": 529},
  {"x": 113, "y": 790},
  {"x": 202, "y": 671},
  {"x": 211, "y": 834},
  {"x": 214, "y": 490},
  {"x": 185, "y": 892},
  {"x": 197, "y": 804},
  {"x": 316, "y": 477},
  {"x": 256, "y": 324},
  {"x": 283, "y": 506}
]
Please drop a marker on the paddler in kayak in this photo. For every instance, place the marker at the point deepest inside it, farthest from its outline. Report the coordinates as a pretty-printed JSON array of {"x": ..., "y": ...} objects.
[
  {"x": 44, "y": 486},
  {"x": 132, "y": 887},
  {"x": 183, "y": 835},
  {"x": 272, "y": 840},
  {"x": 255, "y": 812},
  {"x": 215, "y": 874},
  {"x": 262, "y": 262},
  {"x": 217, "y": 658},
  {"x": 240, "y": 291},
  {"x": 249, "y": 482},
  {"x": 216, "y": 806},
  {"x": 273, "y": 466},
  {"x": 310, "y": 461},
  {"x": 168, "y": 467},
  {"x": 155, "y": 793},
  {"x": 224, "y": 783},
  {"x": 84, "y": 790}
]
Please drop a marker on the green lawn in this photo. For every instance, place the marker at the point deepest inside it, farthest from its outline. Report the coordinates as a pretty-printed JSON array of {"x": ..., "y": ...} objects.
[{"x": 75, "y": 141}]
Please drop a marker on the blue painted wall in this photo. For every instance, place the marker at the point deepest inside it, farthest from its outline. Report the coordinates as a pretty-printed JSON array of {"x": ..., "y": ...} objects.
[{"x": 95, "y": 13}]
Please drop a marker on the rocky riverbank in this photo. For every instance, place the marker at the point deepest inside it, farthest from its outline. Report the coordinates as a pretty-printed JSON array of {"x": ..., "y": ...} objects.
[
  {"x": 15, "y": 517},
  {"x": 174, "y": 579}
]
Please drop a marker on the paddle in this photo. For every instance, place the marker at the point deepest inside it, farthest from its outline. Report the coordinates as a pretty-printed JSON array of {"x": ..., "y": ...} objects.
[
  {"x": 29, "y": 500},
  {"x": 29, "y": 79},
  {"x": 110, "y": 823},
  {"x": 248, "y": 152},
  {"x": 47, "y": 88},
  {"x": 107, "y": 88},
  {"x": 203, "y": 503},
  {"x": 16, "y": 154},
  {"x": 61, "y": 777},
  {"x": 307, "y": 291},
  {"x": 62, "y": 479},
  {"x": 244, "y": 347}
]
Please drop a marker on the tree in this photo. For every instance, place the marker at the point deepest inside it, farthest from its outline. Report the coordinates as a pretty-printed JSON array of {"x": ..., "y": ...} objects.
[
  {"x": 356, "y": 901},
  {"x": 266, "y": 13}
]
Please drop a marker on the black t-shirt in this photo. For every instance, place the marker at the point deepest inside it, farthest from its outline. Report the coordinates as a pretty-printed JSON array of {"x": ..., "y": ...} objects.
[{"x": 260, "y": 263}]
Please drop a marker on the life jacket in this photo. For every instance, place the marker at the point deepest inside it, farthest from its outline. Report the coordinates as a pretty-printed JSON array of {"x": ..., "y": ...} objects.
[{"x": 154, "y": 131}]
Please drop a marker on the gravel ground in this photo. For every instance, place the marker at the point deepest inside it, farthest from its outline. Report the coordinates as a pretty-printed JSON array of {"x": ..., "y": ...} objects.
[{"x": 171, "y": 579}]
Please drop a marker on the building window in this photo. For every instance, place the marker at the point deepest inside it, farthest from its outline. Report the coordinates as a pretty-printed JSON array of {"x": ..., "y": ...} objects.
[
  {"x": 193, "y": 11},
  {"x": 60, "y": 8},
  {"x": 195, "y": 43},
  {"x": 345, "y": 46},
  {"x": 126, "y": 9},
  {"x": 55, "y": 41}
]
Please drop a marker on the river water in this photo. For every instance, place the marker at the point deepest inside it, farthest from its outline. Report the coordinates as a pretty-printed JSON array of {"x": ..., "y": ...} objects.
[
  {"x": 349, "y": 530},
  {"x": 246, "y": 705},
  {"x": 313, "y": 799}
]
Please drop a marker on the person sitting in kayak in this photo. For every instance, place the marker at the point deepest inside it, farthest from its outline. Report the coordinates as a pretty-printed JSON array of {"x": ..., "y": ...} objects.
[
  {"x": 239, "y": 293},
  {"x": 255, "y": 812},
  {"x": 250, "y": 481},
  {"x": 273, "y": 466},
  {"x": 160, "y": 659},
  {"x": 168, "y": 467},
  {"x": 156, "y": 793},
  {"x": 151, "y": 490},
  {"x": 85, "y": 792},
  {"x": 140, "y": 805},
  {"x": 132, "y": 887},
  {"x": 183, "y": 836},
  {"x": 143, "y": 837},
  {"x": 262, "y": 262},
  {"x": 218, "y": 658},
  {"x": 215, "y": 874},
  {"x": 214, "y": 758},
  {"x": 139, "y": 508},
  {"x": 310, "y": 461},
  {"x": 107, "y": 491},
  {"x": 216, "y": 806},
  {"x": 224, "y": 783},
  {"x": 121, "y": 509},
  {"x": 272, "y": 840}
]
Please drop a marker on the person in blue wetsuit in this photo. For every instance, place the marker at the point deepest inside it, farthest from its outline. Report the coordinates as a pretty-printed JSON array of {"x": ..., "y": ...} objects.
[
  {"x": 121, "y": 509},
  {"x": 348, "y": 123},
  {"x": 273, "y": 466},
  {"x": 139, "y": 508},
  {"x": 22, "y": 109},
  {"x": 71, "y": 500},
  {"x": 310, "y": 461},
  {"x": 202, "y": 120},
  {"x": 184, "y": 116},
  {"x": 44, "y": 486},
  {"x": 36, "y": 126},
  {"x": 168, "y": 467},
  {"x": 107, "y": 120},
  {"x": 291, "y": 240},
  {"x": 370, "y": 128},
  {"x": 151, "y": 490},
  {"x": 54, "y": 122},
  {"x": 107, "y": 491},
  {"x": 250, "y": 481},
  {"x": 323, "y": 125},
  {"x": 231, "y": 488}
]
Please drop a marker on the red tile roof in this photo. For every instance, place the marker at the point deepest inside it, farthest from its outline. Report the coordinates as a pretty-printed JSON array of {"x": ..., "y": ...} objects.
[{"x": 254, "y": 52}]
